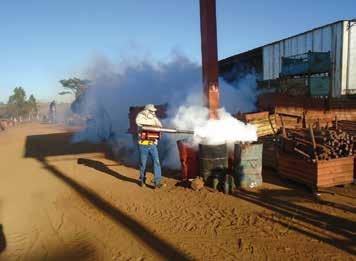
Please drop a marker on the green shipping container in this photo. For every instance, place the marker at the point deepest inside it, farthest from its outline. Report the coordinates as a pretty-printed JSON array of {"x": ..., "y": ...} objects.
[
  {"x": 306, "y": 63},
  {"x": 319, "y": 86}
]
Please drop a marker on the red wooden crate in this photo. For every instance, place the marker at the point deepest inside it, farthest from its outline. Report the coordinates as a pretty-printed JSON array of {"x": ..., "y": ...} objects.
[{"x": 321, "y": 174}]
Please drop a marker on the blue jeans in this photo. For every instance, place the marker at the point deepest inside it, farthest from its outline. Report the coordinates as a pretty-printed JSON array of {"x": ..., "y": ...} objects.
[{"x": 145, "y": 150}]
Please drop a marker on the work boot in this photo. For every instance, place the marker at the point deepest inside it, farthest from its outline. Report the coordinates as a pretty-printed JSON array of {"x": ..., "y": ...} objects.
[
  {"x": 142, "y": 183},
  {"x": 159, "y": 186}
]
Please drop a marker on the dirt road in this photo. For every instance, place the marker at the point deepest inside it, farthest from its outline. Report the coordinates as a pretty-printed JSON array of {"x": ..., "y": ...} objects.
[{"x": 60, "y": 201}]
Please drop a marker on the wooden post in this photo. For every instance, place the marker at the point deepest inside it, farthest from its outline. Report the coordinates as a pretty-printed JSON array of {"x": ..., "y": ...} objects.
[
  {"x": 284, "y": 133},
  {"x": 313, "y": 141}
]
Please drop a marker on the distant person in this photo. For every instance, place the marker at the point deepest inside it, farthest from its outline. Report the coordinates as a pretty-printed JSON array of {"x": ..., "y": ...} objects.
[
  {"x": 148, "y": 144},
  {"x": 52, "y": 112}
]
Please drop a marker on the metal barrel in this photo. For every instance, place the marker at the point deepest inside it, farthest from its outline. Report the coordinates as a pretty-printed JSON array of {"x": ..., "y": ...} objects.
[
  {"x": 248, "y": 164},
  {"x": 213, "y": 162},
  {"x": 189, "y": 159}
]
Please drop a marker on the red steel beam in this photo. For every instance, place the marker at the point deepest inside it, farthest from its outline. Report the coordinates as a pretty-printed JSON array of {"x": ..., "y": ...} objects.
[{"x": 209, "y": 56}]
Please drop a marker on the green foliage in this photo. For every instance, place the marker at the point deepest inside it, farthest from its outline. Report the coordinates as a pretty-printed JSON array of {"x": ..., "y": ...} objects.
[
  {"x": 3, "y": 110},
  {"x": 32, "y": 104},
  {"x": 17, "y": 104},
  {"x": 74, "y": 85}
]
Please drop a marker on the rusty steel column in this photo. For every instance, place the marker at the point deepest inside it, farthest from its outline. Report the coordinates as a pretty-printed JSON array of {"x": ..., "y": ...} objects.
[{"x": 209, "y": 52}]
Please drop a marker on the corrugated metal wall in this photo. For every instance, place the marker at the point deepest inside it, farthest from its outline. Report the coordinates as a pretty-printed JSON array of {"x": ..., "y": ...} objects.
[
  {"x": 324, "y": 39},
  {"x": 351, "y": 63}
]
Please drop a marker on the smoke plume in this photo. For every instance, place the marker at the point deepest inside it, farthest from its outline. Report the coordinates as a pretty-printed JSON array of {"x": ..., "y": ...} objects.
[{"x": 116, "y": 87}]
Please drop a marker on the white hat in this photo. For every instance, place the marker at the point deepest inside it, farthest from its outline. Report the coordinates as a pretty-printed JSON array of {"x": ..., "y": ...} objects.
[{"x": 150, "y": 107}]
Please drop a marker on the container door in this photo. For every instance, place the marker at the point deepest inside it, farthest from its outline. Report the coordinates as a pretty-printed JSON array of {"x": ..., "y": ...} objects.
[{"x": 351, "y": 81}]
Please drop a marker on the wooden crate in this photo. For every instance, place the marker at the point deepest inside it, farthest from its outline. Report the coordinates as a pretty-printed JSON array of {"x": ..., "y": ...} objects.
[
  {"x": 265, "y": 123},
  {"x": 269, "y": 157},
  {"x": 322, "y": 174},
  {"x": 269, "y": 152}
]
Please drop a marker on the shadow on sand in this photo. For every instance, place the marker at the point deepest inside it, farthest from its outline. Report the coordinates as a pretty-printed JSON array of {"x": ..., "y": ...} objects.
[
  {"x": 2, "y": 239},
  {"x": 98, "y": 165},
  {"x": 282, "y": 202},
  {"x": 42, "y": 146},
  {"x": 76, "y": 250}
]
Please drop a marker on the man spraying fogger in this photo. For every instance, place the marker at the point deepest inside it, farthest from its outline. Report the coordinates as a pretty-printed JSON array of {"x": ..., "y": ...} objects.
[{"x": 147, "y": 142}]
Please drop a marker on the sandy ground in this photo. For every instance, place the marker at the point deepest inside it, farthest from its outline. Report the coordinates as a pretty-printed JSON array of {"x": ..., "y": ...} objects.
[{"x": 52, "y": 208}]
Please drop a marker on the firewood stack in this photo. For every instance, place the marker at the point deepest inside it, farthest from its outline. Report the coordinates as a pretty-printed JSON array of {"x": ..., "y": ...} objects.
[{"x": 317, "y": 144}]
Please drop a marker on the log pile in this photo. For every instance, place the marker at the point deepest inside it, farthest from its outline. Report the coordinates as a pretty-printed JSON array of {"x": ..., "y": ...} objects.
[{"x": 317, "y": 144}]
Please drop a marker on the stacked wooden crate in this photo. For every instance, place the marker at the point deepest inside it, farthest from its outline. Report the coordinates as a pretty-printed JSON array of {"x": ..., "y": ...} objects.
[
  {"x": 319, "y": 174},
  {"x": 289, "y": 119},
  {"x": 265, "y": 123},
  {"x": 313, "y": 116},
  {"x": 327, "y": 117},
  {"x": 269, "y": 159},
  {"x": 316, "y": 157}
]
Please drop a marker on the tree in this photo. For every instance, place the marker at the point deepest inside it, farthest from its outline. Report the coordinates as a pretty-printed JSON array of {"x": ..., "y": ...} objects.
[
  {"x": 17, "y": 105},
  {"x": 32, "y": 105},
  {"x": 3, "y": 110},
  {"x": 74, "y": 85}
]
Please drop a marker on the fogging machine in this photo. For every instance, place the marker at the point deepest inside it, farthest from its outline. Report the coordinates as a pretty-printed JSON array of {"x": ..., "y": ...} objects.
[{"x": 153, "y": 133}]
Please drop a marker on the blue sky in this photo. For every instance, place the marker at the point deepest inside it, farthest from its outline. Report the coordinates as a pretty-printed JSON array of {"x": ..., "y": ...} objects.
[{"x": 43, "y": 41}]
